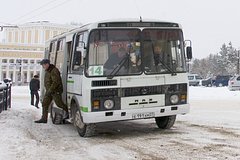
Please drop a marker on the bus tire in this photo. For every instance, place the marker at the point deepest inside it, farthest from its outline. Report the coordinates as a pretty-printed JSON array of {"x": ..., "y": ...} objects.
[
  {"x": 165, "y": 122},
  {"x": 56, "y": 117},
  {"x": 84, "y": 130}
]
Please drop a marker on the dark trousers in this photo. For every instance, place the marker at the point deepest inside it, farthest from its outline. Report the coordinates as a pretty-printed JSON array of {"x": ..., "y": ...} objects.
[
  {"x": 34, "y": 93},
  {"x": 47, "y": 100}
]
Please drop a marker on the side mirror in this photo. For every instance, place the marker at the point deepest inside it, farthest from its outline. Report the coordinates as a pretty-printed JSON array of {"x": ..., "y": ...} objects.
[
  {"x": 189, "y": 52},
  {"x": 79, "y": 56},
  {"x": 188, "y": 43},
  {"x": 81, "y": 51}
]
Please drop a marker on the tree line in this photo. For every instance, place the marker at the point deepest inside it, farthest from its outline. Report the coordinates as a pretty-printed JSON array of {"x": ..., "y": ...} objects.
[{"x": 225, "y": 62}]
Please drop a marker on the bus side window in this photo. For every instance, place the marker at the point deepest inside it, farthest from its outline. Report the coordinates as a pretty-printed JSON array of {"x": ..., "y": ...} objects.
[
  {"x": 59, "y": 55},
  {"x": 52, "y": 52}
]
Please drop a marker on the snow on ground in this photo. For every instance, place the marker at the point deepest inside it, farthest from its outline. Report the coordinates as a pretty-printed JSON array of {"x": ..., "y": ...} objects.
[
  {"x": 215, "y": 105},
  {"x": 210, "y": 131}
]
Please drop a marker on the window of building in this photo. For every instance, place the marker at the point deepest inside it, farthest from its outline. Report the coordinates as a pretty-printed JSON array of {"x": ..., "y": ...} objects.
[
  {"x": 11, "y": 75},
  {"x": 31, "y": 74},
  {"x": 4, "y": 60},
  {"x": 22, "y": 36},
  {"x": 19, "y": 61},
  {"x": 11, "y": 61},
  {"x": 29, "y": 37},
  {"x": 4, "y": 75},
  {"x": 25, "y": 77},
  {"x": 16, "y": 36},
  {"x": 47, "y": 35},
  {"x": 25, "y": 61},
  {"x": 38, "y": 61},
  {"x": 9, "y": 37},
  {"x": 32, "y": 61},
  {"x": 36, "y": 36}
]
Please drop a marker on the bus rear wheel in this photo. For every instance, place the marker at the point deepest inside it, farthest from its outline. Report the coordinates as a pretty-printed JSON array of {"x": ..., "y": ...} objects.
[
  {"x": 165, "y": 122},
  {"x": 84, "y": 130}
]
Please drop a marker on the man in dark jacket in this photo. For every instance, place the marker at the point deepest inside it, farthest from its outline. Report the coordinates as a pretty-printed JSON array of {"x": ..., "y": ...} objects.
[
  {"x": 34, "y": 87},
  {"x": 54, "y": 89}
]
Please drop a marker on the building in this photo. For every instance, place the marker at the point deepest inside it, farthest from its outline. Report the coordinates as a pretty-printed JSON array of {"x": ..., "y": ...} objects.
[{"x": 22, "y": 48}]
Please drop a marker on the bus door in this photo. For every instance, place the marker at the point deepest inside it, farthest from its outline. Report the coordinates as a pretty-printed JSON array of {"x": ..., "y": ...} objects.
[
  {"x": 74, "y": 81},
  {"x": 60, "y": 61}
]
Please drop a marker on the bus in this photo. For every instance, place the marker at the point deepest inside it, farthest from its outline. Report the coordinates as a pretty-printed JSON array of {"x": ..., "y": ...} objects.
[{"x": 139, "y": 85}]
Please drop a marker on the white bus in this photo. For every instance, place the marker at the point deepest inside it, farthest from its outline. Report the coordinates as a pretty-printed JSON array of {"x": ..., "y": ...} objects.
[{"x": 138, "y": 86}]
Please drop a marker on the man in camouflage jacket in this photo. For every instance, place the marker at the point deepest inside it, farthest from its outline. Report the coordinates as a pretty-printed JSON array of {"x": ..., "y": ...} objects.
[{"x": 54, "y": 89}]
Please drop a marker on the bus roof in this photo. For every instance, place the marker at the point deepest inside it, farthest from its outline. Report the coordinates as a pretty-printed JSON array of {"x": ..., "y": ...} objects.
[
  {"x": 121, "y": 23},
  {"x": 129, "y": 23}
]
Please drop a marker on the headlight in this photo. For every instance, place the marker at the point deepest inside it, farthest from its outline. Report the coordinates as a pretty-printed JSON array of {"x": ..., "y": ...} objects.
[
  {"x": 174, "y": 99},
  {"x": 109, "y": 104}
]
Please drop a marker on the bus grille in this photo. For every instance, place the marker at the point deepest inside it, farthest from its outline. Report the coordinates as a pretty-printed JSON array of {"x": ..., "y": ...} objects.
[
  {"x": 104, "y": 83},
  {"x": 137, "y": 91}
]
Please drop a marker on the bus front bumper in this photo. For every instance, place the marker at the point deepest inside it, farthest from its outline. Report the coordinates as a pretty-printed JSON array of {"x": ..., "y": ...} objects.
[{"x": 131, "y": 114}]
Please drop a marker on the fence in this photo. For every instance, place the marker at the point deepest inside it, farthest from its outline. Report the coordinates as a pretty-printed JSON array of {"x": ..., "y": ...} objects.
[{"x": 5, "y": 94}]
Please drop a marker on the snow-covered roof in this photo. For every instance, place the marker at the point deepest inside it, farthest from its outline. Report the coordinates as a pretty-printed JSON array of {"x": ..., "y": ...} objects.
[{"x": 45, "y": 24}]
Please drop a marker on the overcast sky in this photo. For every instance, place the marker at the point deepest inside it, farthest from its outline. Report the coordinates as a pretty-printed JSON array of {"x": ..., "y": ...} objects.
[{"x": 208, "y": 23}]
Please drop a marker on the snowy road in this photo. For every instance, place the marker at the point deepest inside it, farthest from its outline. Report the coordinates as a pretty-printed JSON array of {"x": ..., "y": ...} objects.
[{"x": 210, "y": 131}]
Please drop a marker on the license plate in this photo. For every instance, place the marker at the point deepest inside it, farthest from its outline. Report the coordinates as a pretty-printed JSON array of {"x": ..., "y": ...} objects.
[{"x": 142, "y": 115}]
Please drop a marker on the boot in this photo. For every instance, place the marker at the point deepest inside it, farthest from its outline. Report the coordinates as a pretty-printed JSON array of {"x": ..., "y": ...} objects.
[
  {"x": 65, "y": 115},
  {"x": 41, "y": 121}
]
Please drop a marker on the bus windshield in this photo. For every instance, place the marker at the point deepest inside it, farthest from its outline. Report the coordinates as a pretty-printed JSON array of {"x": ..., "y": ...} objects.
[
  {"x": 132, "y": 51},
  {"x": 162, "y": 51}
]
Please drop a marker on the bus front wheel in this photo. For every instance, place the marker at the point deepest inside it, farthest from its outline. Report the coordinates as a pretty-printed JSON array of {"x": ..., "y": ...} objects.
[
  {"x": 165, "y": 122},
  {"x": 84, "y": 130}
]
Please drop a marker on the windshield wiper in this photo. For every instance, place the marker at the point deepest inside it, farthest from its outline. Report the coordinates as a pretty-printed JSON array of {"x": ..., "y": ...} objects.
[
  {"x": 164, "y": 64},
  {"x": 118, "y": 67}
]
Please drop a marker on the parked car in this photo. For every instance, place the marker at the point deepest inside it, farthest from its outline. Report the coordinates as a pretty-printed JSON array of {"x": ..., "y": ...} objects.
[
  {"x": 234, "y": 83},
  {"x": 221, "y": 80},
  {"x": 207, "y": 82},
  {"x": 194, "y": 80}
]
